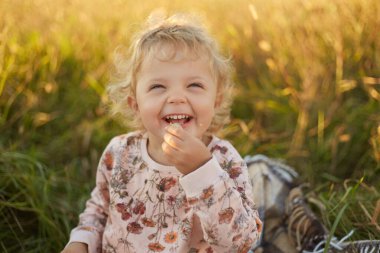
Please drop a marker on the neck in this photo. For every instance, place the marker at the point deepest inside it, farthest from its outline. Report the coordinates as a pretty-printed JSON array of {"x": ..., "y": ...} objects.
[{"x": 156, "y": 153}]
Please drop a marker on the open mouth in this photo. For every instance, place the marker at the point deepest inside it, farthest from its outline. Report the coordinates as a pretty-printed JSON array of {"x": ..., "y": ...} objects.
[{"x": 177, "y": 118}]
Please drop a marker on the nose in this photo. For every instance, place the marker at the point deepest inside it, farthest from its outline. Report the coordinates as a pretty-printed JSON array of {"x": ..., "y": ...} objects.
[{"x": 176, "y": 98}]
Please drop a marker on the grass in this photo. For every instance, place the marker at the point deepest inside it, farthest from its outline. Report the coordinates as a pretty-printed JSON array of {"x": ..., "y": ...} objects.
[{"x": 308, "y": 91}]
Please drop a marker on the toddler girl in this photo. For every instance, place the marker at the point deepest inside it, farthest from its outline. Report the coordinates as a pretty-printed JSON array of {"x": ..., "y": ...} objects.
[{"x": 172, "y": 185}]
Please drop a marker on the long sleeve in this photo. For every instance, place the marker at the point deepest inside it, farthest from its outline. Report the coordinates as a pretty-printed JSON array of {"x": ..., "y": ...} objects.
[
  {"x": 219, "y": 193},
  {"x": 93, "y": 219},
  {"x": 139, "y": 205}
]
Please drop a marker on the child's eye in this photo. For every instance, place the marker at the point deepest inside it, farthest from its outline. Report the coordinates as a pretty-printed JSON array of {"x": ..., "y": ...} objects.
[
  {"x": 196, "y": 85},
  {"x": 156, "y": 86}
]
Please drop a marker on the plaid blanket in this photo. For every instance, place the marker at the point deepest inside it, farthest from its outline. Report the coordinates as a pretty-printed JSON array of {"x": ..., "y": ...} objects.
[
  {"x": 272, "y": 182},
  {"x": 289, "y": 224}
]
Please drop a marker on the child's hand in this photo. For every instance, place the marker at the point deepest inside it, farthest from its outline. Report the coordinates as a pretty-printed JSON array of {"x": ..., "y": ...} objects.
[
  {"x": 186, "y": 152},
  {"x": 76, "y": 247}
]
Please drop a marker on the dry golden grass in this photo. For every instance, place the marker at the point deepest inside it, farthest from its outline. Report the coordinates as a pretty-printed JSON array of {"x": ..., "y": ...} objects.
[{"x": 308, "y": 91}]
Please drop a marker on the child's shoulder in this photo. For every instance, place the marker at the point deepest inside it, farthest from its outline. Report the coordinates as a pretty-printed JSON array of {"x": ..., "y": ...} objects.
[
  {"x": 222, "y": 147},
  {"x": 127, "y": 139}
]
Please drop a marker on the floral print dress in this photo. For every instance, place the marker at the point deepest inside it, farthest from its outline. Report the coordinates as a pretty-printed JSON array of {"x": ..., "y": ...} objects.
[{"x": 139, "y": 205}]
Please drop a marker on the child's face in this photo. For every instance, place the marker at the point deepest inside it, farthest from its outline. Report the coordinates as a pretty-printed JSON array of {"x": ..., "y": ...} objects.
[{"x": 181, "y": 91}]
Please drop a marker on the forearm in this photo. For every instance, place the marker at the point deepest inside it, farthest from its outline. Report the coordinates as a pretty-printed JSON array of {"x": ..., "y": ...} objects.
[
  {"x": 229, "y": 220},
  {"x": 90, "y": 228},
  {"x": 93, "y": 219}
]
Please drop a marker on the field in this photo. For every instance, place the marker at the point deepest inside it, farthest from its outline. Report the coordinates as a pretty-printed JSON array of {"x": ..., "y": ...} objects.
[{"x": 307, "y": 92}]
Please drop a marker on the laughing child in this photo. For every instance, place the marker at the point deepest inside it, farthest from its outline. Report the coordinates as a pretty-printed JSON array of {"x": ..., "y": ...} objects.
[{"x": 171, "y": 185}]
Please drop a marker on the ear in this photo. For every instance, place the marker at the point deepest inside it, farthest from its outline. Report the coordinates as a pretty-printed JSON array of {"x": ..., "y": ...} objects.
[{"x": 132, "y": 103}]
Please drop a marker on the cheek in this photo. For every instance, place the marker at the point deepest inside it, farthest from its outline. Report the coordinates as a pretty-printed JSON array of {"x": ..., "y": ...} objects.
[
  {"x": 207, "y": 106},
  {"x": 148, "y": 111},
  {"x": 207, "y": 113}
]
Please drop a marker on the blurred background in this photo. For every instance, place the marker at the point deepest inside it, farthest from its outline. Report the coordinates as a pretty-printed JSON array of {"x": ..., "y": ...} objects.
[{"x": 308, "y": 92}]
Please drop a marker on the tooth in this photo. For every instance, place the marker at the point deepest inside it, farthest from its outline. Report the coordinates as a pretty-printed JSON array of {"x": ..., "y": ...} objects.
[{"x": 179, "y": 116}]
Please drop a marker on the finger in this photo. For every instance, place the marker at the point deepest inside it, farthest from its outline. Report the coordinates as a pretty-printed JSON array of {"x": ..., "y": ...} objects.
[
  {"x": 172, "y": 140},
  {"x": 168, "y": 150},
  {"x": 177, "y": 130}
]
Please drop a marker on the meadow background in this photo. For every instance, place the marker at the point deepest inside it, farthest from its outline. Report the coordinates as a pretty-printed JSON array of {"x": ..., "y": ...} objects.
[{"x": 308, "y": 92}]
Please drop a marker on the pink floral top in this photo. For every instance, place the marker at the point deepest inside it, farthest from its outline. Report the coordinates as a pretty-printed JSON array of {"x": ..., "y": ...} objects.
[{"x": 139, "y": 205}]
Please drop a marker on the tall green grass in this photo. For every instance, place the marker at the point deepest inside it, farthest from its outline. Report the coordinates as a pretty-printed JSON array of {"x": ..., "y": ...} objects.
[{"x": 308, "y": 91}]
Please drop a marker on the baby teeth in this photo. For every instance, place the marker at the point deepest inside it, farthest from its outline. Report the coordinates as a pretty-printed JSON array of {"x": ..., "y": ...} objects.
[{"x": 177, "y": 117}]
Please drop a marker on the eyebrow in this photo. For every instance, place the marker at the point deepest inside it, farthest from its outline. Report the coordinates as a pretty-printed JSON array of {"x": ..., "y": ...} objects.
[
  {"x": 195, "y": 77},
  {"x": 158, "y": 80},
  {"x": 165, "y": 79}
]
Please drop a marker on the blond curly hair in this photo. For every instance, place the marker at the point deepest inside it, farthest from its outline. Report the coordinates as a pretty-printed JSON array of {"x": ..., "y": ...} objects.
[{"x": 179, "y": 31}]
